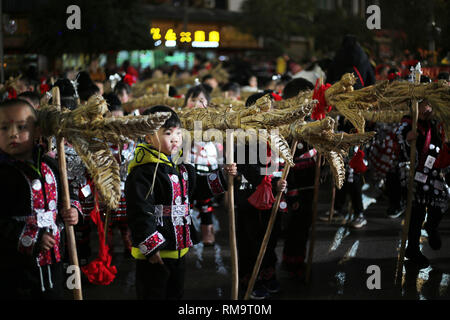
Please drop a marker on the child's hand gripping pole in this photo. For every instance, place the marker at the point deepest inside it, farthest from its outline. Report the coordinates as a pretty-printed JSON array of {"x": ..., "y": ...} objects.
[{"x": 66, "y": 204}]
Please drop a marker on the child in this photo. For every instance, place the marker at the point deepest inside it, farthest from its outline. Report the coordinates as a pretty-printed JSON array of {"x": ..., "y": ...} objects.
[
  {"x": 118, "y": 217},
  {"x": 252, "y": 219},
  {"x": 204, "y": 156},
  {"x": 158, "y": 192},
  {"x": 431, "y": 198},
  {"x": 31, "y": 232}
]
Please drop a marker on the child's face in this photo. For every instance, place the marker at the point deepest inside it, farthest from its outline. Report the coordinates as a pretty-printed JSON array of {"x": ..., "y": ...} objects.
[
  {"x": 117, "y": 113},
  {"x": 199, "y": 102},
  {"x": 123, "y": 96},
  {"x": 17, "y": 131},
  {"x": 425, "y": 110},
  {"x": 168, "y": 140}
]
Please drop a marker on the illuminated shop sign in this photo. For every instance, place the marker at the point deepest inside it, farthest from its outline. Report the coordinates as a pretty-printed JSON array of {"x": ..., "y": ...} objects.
[{"x": 197, "y": 39}]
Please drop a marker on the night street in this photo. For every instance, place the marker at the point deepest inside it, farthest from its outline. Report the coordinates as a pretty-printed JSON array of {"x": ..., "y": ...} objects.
[{"x": 339, "y": 271}]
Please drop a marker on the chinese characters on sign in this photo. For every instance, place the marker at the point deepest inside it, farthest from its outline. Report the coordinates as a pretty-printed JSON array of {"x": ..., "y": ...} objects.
[{"x": 198, "y": 39}]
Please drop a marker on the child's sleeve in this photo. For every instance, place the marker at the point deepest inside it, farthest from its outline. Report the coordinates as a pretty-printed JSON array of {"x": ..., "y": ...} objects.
[
  {"x": 141, "y": 211},
  {"x": 74, "y": 198},
  {"x": 14, "y": 208},
  {"x": 209, "y": 185}
]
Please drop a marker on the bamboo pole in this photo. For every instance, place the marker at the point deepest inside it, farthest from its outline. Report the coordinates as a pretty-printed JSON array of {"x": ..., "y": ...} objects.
[
  {"x": 108, "y": 213},
  {"x": 270, "y": 225},
  {"x": 333, "y": 199},
  {"x": 409, "y": 199},
  {"x": 333, "y": 185},
  {"x": 232, "y": 222},
  {"x": 66, "y": 204},
  {"x": 314, "y": 213}
]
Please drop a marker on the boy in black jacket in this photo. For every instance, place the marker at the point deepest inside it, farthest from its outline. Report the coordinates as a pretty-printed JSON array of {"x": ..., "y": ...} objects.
[
  {"x": 158, "y": 192},
  {"x": 30, "y": 222}
]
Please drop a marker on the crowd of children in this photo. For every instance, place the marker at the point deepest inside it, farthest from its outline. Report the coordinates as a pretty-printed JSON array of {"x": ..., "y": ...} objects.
[{"x": 160, "y": 193}]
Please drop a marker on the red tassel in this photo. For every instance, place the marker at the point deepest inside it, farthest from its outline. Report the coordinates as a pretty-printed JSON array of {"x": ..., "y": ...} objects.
[
  {"x": 276, "y": 96},
  {"x": 100, "y": 270},
  {"x": 443, "y": 160},
  {"x": 12, "y": 93},
  {"x": 321, "y": 107},
  {"x": 357, "y": 162},
  {"x": 263, "y": 198},
  {"x": 129, "y": 79}
]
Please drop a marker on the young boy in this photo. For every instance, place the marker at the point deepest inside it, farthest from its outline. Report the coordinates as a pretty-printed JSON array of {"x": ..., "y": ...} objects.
[
  {"x": 31, "y": 224},
  {"x": 158, "y": 192}
]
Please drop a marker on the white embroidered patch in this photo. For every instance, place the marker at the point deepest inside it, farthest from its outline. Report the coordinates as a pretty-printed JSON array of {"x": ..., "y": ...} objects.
[
  {"x": 36, "y": 185},
  {"x": 27, "y": 241},
  {"x": 49, "y": 178},
  {"x": 52, "y": 205}
]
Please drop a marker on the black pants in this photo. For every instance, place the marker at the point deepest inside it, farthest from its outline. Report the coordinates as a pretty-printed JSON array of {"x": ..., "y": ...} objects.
[
  {"x": 24, "y": 283},
  {"x": 355, "y": 190},
  {"x": 298, "y": 227},
  {"x": 160, "y": 282},
  {"x": 417, "y": 218},
  {"x": 251, "y": 226},
  {"x": 394, "y": 191}
]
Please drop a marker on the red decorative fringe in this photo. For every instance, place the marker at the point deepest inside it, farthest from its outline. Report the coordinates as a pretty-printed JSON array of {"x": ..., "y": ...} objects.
[
  {"x": 129, "y": 79},
  {"x": 322, "y": 107},
  {"x": 100, "y": 270},
  {"x": 357, "y": 162}
]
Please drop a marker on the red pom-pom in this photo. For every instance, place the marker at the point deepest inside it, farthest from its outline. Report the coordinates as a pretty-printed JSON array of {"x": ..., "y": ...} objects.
[
  {"x": 276, "y": 97},
  {"x": 12, "y": 94},
  {"x": 321, "y": 107},
  {"x": 263, "y": 198},
  {"x": 443, "y": 160},
  {"x": 100, "y": 270},
  {"x": 129, "y": 79},
  {"x": 357, "y": 162}
]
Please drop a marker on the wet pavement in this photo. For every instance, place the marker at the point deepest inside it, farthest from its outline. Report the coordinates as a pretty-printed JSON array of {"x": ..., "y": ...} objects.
[{"x": 340, "y": 269}]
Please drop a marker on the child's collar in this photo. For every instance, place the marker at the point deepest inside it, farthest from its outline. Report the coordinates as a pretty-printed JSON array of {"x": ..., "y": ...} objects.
[{"x": 146, "y": 153}]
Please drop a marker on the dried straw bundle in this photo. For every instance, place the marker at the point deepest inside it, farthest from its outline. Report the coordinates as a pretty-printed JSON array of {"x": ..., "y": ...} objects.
[
  {"x": 392, "y": 99},
  {"x": 152, "y": 100},
  {"x": 334, "y": 146},
  {"x": 87, "y": 129},
  {"x": 10, "y": 83}
]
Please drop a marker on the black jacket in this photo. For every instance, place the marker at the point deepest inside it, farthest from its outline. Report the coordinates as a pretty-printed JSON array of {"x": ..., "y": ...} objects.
[
  {"x": 351, "y": 58},
  {"x": 19, "y": 254},
  {"x": 160, "y": 220}
]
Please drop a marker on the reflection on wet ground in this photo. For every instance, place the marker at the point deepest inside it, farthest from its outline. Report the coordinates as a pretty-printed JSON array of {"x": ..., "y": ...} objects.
[{"x": 342, "y": 256}]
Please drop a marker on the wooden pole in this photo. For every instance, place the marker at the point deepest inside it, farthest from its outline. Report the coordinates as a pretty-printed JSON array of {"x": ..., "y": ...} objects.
[
  {"x": 232, "y": 222},
  {"x": 412, "y": 169},
  {"x": 66, "y": 204},
  {"x": 273, "y": 216},
  {"x": 333, "y": 185},
  {"x": 108, "y": 213},
  {"x": 333, "y": 199},
  {"x": 314, "y": 213}
]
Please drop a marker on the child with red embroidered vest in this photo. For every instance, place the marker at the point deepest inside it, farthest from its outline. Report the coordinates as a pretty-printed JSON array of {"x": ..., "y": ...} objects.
[
  {"x": 31, "y": 226},
  {"x": 118, "y": 217},
  {"x": 158, "y": 192},
  {"x": 431, "y": 190},
  {"x": 204, "y": 158}
]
